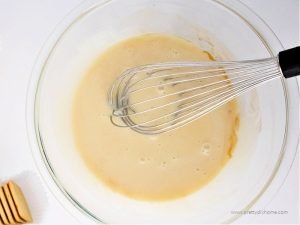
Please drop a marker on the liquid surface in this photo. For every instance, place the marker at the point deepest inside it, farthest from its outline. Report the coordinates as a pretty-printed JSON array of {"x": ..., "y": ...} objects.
[{"x": 152, "y": 168}]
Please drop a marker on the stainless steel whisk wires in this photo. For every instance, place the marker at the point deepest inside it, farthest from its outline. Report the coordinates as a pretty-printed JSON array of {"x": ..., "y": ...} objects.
[{"x": 157, "y": 98}]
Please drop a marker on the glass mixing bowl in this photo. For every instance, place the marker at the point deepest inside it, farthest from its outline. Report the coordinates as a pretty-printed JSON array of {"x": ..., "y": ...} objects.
[{"x": 268, "y": 134}]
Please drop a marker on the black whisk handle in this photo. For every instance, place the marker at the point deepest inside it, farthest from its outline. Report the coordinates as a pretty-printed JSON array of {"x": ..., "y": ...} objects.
[{"x": 289, "y": 61}]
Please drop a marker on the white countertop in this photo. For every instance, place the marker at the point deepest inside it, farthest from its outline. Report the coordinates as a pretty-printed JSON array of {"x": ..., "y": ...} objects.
[{"x": 24, "y": 27}]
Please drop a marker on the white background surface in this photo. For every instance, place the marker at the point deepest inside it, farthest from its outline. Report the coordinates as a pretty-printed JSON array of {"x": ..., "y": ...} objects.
[{"x": 24, "y": 27}]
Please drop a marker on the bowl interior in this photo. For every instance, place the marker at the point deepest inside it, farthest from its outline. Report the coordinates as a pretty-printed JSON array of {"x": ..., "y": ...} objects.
[{"x": 263, "y": 111}]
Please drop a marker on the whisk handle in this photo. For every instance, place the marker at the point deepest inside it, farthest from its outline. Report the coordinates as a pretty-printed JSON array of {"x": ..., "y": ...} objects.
[{"x": 289, "y": 61}]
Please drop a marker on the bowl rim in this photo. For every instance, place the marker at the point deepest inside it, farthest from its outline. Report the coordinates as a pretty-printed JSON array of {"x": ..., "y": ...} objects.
[{"x": 43, "y": 165}]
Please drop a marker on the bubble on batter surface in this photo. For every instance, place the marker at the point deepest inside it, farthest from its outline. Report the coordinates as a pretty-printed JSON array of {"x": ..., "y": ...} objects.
[{"x": 206, "y": 148}]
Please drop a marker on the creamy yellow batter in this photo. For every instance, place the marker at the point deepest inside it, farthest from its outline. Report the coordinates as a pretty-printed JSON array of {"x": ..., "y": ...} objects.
[{"x": 152, "y": 168}]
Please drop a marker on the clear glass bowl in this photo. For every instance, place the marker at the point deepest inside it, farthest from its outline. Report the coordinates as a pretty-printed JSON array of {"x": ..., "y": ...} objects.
[{"x": 268, "y": 135}]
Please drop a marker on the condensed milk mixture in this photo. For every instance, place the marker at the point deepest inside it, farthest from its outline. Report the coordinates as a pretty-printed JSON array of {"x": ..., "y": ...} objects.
[{"x": 151, "y": 168}]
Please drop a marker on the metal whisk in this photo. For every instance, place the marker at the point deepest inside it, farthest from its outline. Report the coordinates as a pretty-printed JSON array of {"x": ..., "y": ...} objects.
[{"x": 157, "y": 98}]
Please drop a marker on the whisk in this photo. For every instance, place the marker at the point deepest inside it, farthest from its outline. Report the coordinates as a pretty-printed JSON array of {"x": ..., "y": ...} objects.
[{"x": 157, "y": 98}]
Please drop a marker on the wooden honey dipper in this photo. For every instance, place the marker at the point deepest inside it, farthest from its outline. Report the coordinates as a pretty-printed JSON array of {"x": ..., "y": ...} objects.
[{"x": 13, "y": 206}]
